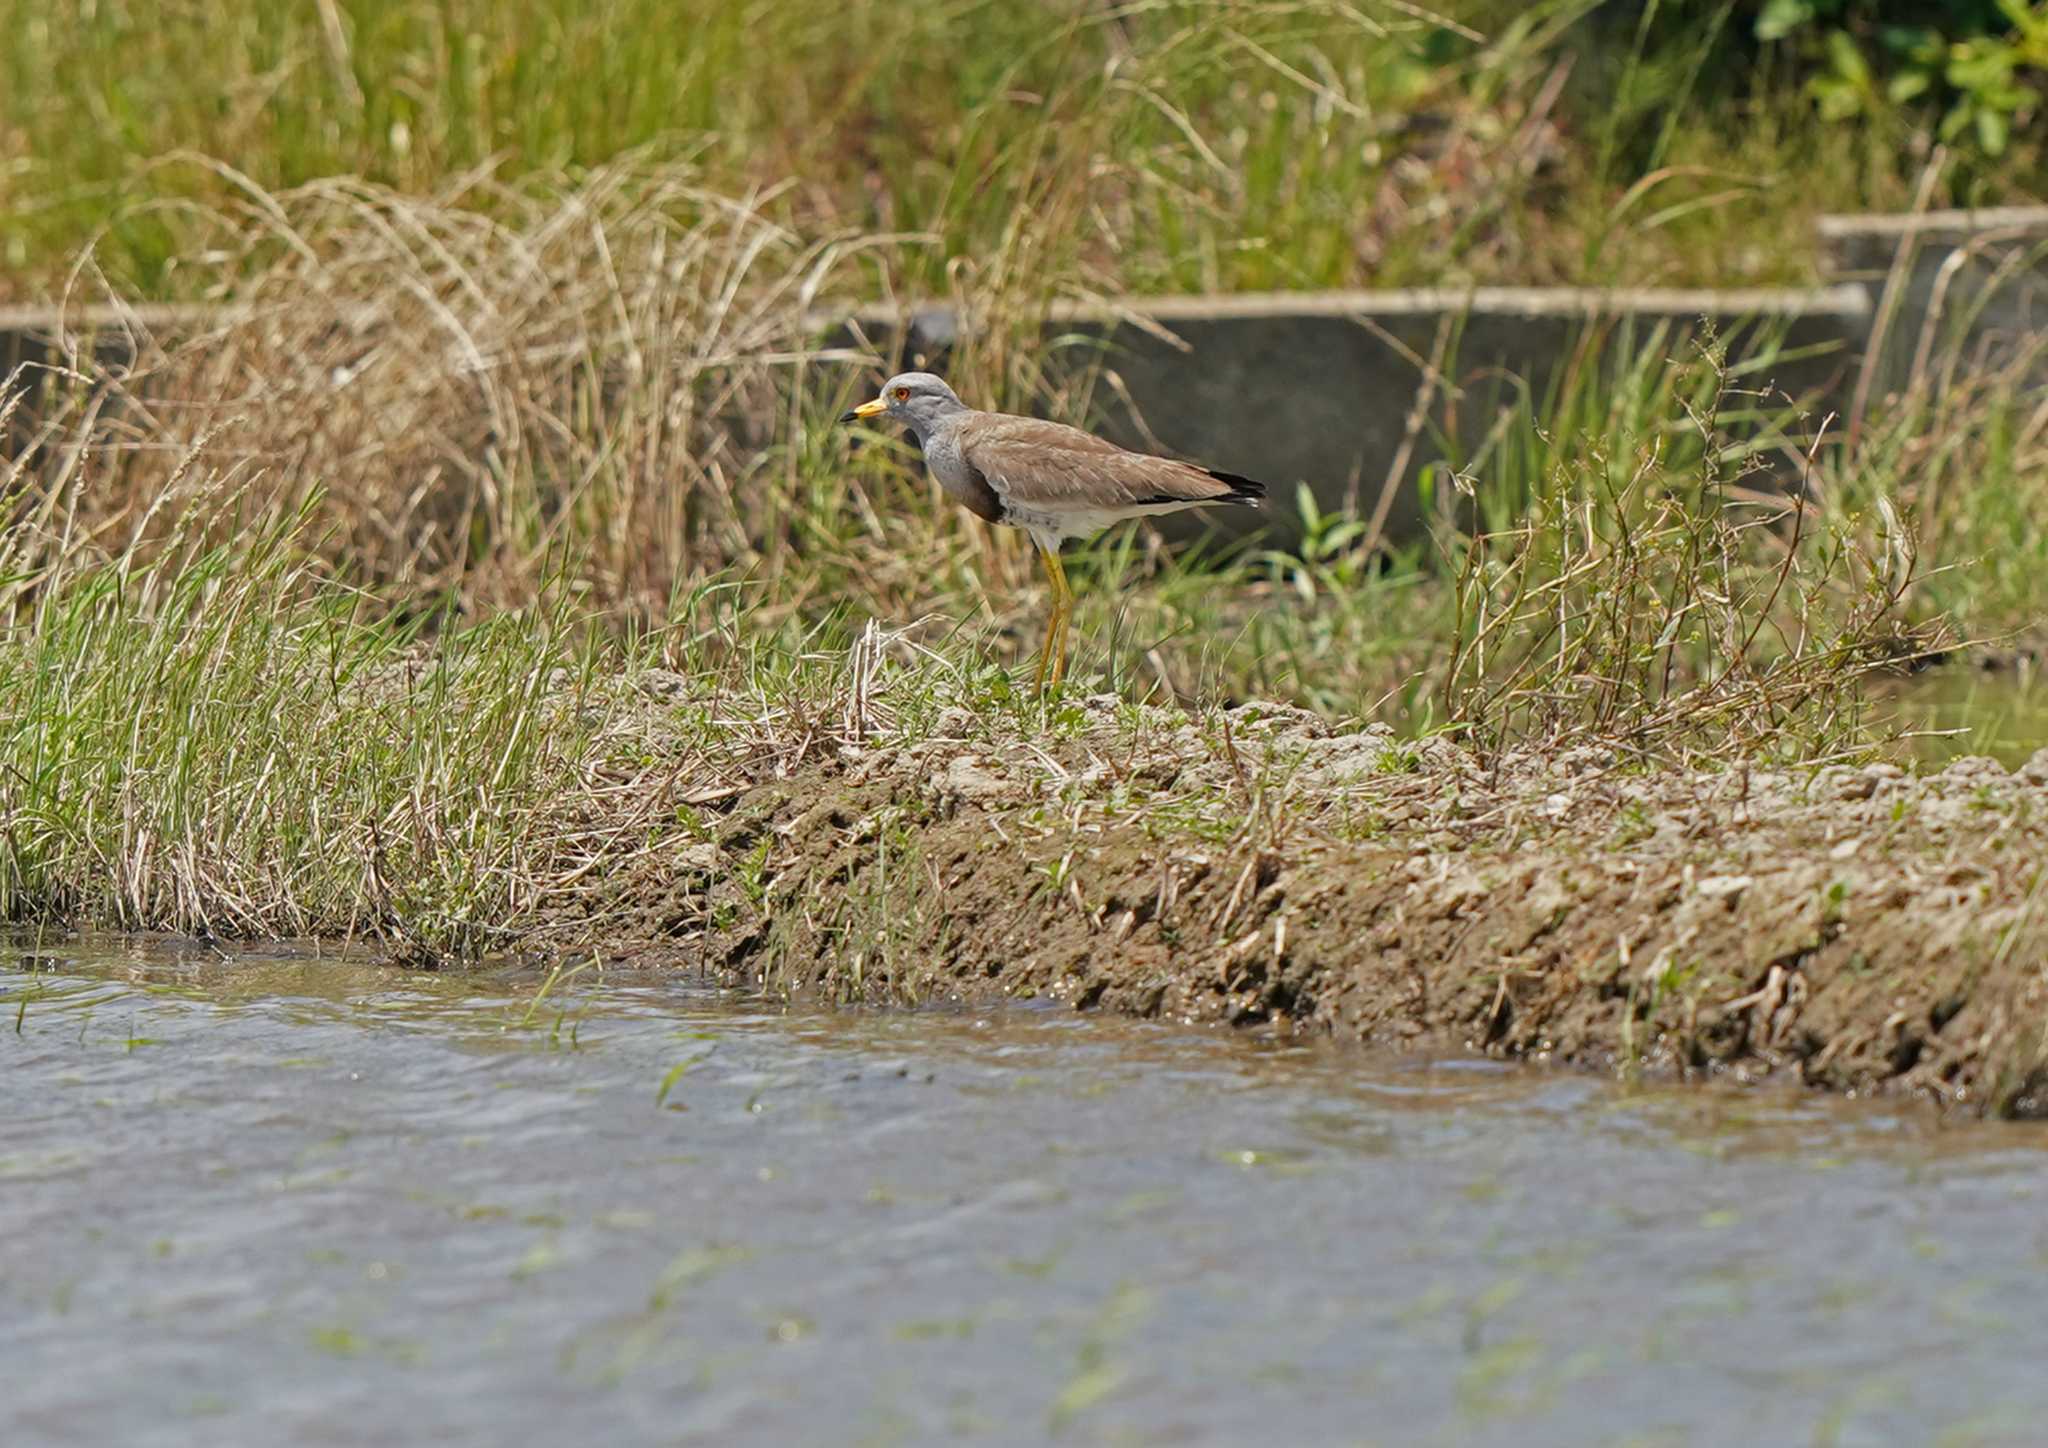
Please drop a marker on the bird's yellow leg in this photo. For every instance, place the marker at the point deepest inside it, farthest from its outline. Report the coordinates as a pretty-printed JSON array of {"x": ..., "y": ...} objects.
[
  {"x": 1052, "y": 658},
  {"x": 1063, "y": 612},
  {"x": 1052, "y": 623}
]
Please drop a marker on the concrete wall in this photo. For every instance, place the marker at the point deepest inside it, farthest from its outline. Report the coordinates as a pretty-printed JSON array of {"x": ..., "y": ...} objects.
[
  {"x": 1969, "y": 285},
  {"x": 40, "y": 345},
  {"x": 30, "y": 334},
  {"x": 1319, "y": 387}
]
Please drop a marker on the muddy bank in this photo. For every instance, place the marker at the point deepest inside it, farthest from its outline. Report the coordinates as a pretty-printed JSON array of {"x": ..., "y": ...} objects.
[{"x": 1856, "y": 928}]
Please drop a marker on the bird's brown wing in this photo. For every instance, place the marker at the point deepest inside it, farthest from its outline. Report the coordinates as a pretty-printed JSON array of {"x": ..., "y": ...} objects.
[{"x": 1031, "y": 463}]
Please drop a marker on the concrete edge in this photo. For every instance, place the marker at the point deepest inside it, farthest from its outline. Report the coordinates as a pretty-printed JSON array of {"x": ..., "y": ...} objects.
[
  {"x": 1844, "y": 301},
  {"x": 1589, "y": 302},
  {"x": 1847, "y": 300},
  {"x": 101, "y": 316},
  {"x": 1838, "y": 226}
]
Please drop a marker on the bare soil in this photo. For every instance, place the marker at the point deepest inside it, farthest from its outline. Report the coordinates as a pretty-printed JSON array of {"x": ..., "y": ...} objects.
[{"x": 1856, "y": 928}]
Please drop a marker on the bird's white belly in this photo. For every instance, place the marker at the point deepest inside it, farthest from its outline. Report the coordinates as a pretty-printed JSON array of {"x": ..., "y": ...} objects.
[{"x": 1063, "y": 523}]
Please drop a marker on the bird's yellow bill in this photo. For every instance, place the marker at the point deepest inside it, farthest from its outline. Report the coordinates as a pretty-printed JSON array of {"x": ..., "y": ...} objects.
[{"x": 867, "y": 409}]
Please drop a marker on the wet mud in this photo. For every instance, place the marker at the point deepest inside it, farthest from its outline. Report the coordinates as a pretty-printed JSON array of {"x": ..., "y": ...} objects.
[{"x": 1856, "y": 928}]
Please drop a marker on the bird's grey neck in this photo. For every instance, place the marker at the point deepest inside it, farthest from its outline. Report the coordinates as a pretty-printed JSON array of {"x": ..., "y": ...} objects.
[{"x": 929, "y": 420}]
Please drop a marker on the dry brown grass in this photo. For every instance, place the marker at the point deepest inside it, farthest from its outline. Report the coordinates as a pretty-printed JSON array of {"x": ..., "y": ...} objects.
[
  {"x": 617, "y": 385},
  {"x": 1687, "y": 601},
  {"x": 626, "y": 379},
  {"x": 459, "y": 395}
]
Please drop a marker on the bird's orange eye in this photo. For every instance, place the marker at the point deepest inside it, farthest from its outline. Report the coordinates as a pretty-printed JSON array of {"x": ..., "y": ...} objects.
[{"x": 903, "y": 394}]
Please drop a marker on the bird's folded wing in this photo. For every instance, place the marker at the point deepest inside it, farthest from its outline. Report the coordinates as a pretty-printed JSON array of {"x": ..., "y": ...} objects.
[{"x": 1032, "y": 463}]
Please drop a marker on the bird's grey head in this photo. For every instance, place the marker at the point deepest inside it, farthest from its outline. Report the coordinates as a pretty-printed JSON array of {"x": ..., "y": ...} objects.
[{"x": 917, "y": 399}]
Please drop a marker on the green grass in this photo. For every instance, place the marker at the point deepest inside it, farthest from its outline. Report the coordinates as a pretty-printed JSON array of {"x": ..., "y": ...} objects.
[
  {"x": 235, "y": 697},
  {"x": 332, "y": 620},
  {"x": 1157, "y": 145},
  {"x": 613, "y": 384},
  {"x": 225, "y": 742}
]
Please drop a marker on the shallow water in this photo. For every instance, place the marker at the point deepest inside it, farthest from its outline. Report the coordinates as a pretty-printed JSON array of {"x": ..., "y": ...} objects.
[
  {"x": 300, "y": 1200},
  {"x": 1957, "y": 710}
]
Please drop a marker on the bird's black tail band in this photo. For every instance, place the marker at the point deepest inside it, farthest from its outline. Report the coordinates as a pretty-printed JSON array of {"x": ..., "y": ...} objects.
[{"x": 1249, "y": 491}]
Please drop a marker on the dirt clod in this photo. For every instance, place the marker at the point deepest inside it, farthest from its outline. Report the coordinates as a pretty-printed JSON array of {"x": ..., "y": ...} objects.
[{"x": 1854, "y": 928}]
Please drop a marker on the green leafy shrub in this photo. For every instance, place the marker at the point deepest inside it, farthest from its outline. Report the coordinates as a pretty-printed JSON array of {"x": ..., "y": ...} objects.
[{"x": 1984, "y": 63}]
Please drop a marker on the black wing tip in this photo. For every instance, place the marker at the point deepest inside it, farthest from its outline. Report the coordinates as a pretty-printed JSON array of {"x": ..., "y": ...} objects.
[
  {"x": 1242, "y": 490},
  {"x": 1249, "y": 491}
]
